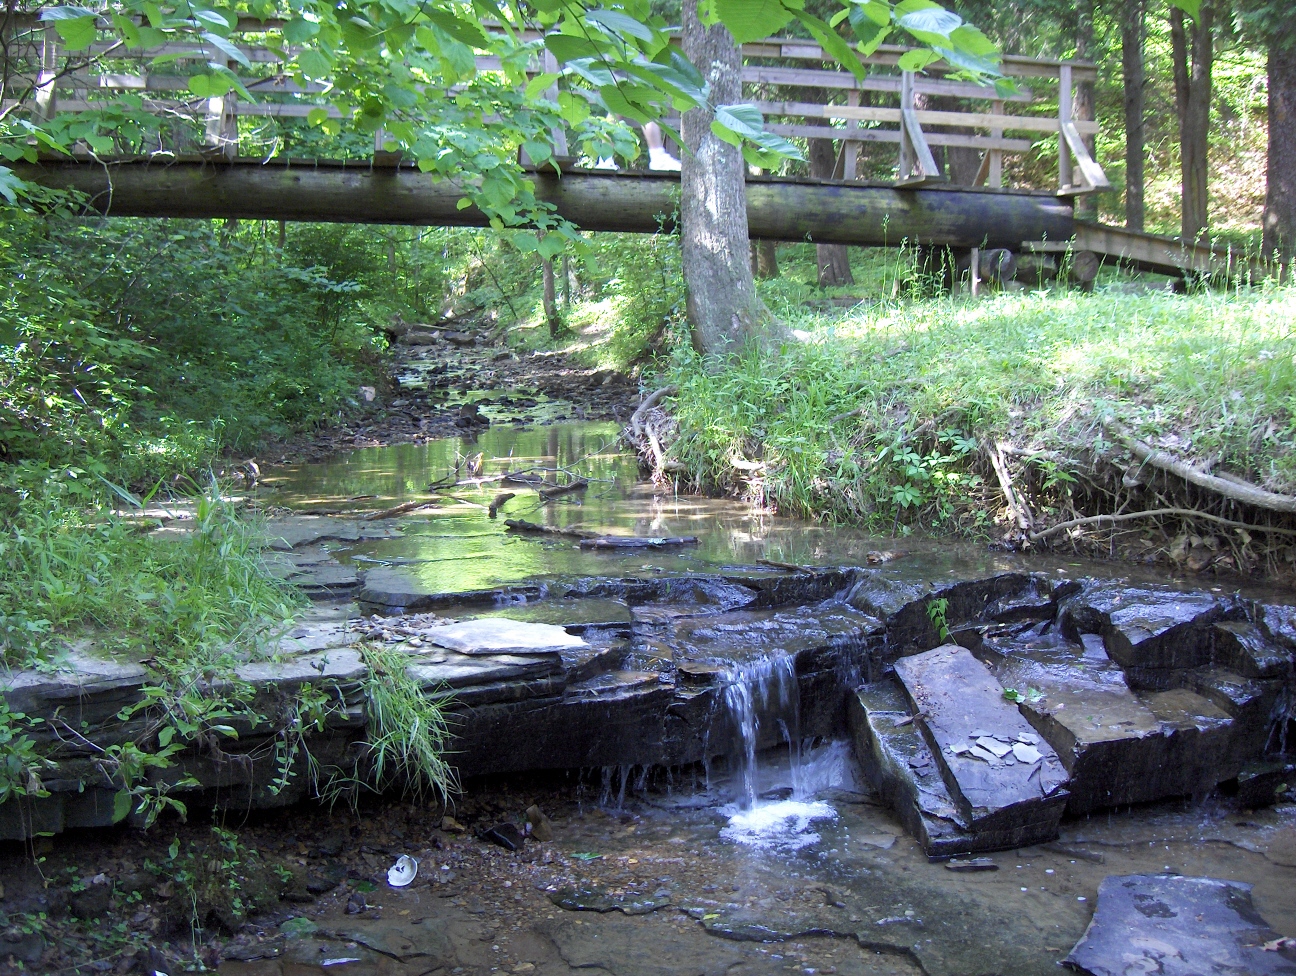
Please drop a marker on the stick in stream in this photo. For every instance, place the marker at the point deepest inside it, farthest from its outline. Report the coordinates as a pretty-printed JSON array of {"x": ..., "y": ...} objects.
[
  {"x": 1188, "y": 513},
  {"x": 637, "y": 542},
  {"x": 499, "y": 503},
  {"x": 530, "y": 528},
  {"x": 580, "y": 484},
  {"x": 402, "y": 509}
]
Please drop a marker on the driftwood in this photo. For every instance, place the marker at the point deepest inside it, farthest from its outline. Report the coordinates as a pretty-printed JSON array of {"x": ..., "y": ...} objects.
[
  {"x": 643, "y": 437},
  {"x": 1152, "y": 513},
  {"x": 404, "y": 508},
  {"x": 530, "y": 528},
  {"x": 522, "y": 478},
  {"x": 637, "y": 542},
  {"x": 1231, "y": 487},
  {"x": 1017, "y": 507},
  {"x": 499, "y": 501},
  {"x": 579, "y": 484},
  {"x": 789, "y": 567}
]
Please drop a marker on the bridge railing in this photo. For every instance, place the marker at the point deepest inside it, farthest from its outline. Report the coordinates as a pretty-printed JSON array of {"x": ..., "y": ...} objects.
[{"x": 803, "y": 94}]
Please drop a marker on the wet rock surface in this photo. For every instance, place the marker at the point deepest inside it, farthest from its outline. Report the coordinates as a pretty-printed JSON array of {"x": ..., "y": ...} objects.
[
  {"x": 1046, "y": 703},
  {"x": 1180, "y": 927}
]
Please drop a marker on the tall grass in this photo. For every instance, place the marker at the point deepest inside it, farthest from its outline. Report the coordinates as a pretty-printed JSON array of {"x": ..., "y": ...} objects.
[
  {"x": 68, "y": 572},
  {"x": 1212, "y": 375}
]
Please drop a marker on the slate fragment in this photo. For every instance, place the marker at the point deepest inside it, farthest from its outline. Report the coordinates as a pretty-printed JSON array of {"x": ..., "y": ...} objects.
[{"x": 1178, "y": 926}]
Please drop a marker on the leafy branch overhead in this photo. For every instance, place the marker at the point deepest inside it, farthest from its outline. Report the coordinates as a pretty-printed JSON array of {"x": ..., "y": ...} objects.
[{"x": 409, "y": 71}]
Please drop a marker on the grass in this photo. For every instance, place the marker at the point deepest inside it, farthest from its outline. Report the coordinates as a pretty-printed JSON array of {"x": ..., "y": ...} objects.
[
  {"x": 68, "y": 572},
  {"x": 922, "y": 384}
]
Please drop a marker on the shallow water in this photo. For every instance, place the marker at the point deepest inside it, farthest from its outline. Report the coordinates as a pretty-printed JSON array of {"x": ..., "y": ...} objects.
[{"x": 781, "y": 857}]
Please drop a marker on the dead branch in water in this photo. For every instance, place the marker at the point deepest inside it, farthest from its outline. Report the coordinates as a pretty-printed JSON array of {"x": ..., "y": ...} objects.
[
  {"x": 637, "y": 542},
  {"x": 580, "y": 484},
  {"x": 530, "y": 528},
  {"x": 402, "y": 509},
  {"x": 1017, "y": 507},
  {"x": 499, "y": 502}
]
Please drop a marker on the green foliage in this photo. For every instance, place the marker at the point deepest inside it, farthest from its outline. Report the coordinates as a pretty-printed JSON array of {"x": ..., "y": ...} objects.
[
  {"x": 936, "y": 610},
  {"x": 879, "y": 417},
  {"x": 20, "y": 762},
  {"x": 66, "y": 574},
  {"x": 407, "y": 730}
]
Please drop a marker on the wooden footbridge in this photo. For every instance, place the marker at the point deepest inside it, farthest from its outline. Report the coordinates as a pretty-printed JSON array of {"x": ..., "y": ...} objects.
[{"x": 923, "y": 159}]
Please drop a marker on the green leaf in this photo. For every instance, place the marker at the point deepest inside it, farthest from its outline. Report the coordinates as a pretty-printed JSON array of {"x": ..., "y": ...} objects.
[
  {"x": 299, "y": 30},
  {"x": 10, "y": 185},
  {"x": 617, "y": 102},
  {"x": 917, "y": 60},
  {"x": 1191, "y": 7},
  {"x": 463, "y": 31},
  {"x": 174, "y": 850},
  {"x": 620, "y": 23},
  {"x": 539, "y": 84},
  {"x": 565, "y": 47},
  {"x": 229, "y": 49},
  {"x": 313, "y": 64},
  {"x": 316, "y": 116},
  {"x": 538, "y": 152},
  {"x": 751, "y": 20},
  {"x": 742, "y": 120},
  {"x": 933, "y": 20},
  {"x": 573, "y": 108},
  {"x": 833, "y": 45},
  {"x": 78, "y": 33},
  {"x": 210, "y": 86},
  {"x": 121, "y": 806},
  {"x": 551, "y": 245}
]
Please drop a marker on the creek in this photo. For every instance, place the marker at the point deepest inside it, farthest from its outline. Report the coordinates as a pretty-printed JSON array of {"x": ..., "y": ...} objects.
[{"x": 757, "y": 837}]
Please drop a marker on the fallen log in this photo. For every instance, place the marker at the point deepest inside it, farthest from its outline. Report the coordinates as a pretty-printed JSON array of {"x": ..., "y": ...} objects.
[
  {"x": 559, "y": 490},
  {"x": 499, "y": 501},
  {"x": 402, "y": 509},
  {"x": 637, "y": 542},
  {"x": 530, "y": 528}
]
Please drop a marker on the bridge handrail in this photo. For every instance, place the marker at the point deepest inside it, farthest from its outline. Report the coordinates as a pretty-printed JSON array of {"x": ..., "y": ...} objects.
[{"x": 1078, "y": 171}]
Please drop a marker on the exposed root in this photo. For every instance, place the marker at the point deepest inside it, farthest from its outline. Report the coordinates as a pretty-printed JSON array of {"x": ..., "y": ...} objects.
[
  {"x": 1187, "y": 513},
  {"x": 645, "y": 434},
  {"x": 1232, "y": 488}
]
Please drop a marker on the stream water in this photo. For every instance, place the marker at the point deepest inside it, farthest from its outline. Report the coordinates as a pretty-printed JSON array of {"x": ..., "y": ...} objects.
[{"x": 784, "y": 855}]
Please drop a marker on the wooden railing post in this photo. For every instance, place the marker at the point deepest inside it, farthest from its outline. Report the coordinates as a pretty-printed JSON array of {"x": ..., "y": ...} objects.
[
  {"x": 221, "y": 136},
  {"x": 851, "y": 147},
  {"x": 906, "y": 142},
  {"x": 550, "y": 65},
  {"x": 45, "y": 96},
  {"x": 1065, "y": 94}
]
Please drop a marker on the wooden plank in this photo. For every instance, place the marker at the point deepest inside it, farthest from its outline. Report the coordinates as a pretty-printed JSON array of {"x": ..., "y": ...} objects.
[
  {"x": 1091, "y": 172},
  {"x": 875, "y": 113},
  {"x": 988, "y": 143},
  {"x": 842, "y": 80}
]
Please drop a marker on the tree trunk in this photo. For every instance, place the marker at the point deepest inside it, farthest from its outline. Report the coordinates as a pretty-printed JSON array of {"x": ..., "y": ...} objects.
[
  {"x": 1083, "y": 108},
  {"x": 550, "y": 298},
  {"x": 1280, "y": 195},
  {"x": 833, "y": 259},
  {"x": 1194, "y": 53},
  {"x": 1133, "y": 39},
  {"x": 724, "y": 310},
  {"x": 764, "y": 259}
]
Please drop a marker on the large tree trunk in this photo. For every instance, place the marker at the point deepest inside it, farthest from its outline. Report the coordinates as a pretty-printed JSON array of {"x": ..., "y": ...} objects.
[
  {"x": 1083, "y": 108},
  {"x": 1133, "y": 39},
  {"x": 833, "y": 259},
  {"x": 1194, "y": 53},
  {"x": 724, "y": 310},
  {"x": 1280, "y": 196}
]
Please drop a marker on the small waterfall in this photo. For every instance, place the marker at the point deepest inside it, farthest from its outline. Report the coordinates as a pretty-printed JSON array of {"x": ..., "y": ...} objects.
[{"x": 763, "y": 688}]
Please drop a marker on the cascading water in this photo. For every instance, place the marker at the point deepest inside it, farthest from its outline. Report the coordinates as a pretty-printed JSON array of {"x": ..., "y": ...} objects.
[
  {"x": 766, "y": 690},
  {"x": 766, "y": 687}
]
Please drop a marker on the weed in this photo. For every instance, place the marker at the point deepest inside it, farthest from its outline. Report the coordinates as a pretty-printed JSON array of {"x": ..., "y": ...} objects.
[{"x": 936, "y": 610}]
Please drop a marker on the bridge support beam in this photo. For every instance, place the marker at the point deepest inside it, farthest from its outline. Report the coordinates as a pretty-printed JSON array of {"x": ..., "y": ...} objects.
[{"x": 777, "y": 209}]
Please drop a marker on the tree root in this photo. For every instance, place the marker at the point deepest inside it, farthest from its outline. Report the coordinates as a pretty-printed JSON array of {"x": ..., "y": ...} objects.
[
  {"x": 1232, "y": 488},
  {"x": 1152, "y": 512}
]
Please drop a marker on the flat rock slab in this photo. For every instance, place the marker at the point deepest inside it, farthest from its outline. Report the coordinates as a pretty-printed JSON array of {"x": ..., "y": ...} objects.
[
  {"x": 300, "y": 530},
  {"x": 806, "y": 633},
  {"x": 1177, "y": 926},
  {"x": 1242, "y": 647},
  {"x": 1148, "y": 632},
  {"x": 495, "y": 635},
  {"x": 1119, "y": 746},
  {"x": 975, "y": 735},
  {"x": 895, "y": 760}
]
